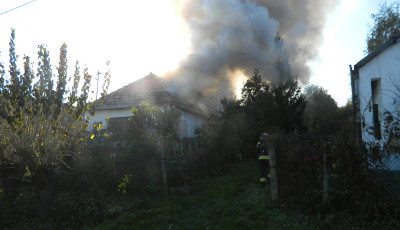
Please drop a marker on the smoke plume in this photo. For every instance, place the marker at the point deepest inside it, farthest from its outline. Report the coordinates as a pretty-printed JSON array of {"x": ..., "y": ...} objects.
[{"x": 232, "y": 37}]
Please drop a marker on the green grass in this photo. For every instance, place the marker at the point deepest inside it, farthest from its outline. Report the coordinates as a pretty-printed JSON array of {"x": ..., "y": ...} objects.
[{"x": 232, "y": 200}]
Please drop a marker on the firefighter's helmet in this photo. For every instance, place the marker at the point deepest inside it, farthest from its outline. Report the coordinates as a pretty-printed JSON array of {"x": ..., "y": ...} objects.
[{"x": 264, "y": 135}]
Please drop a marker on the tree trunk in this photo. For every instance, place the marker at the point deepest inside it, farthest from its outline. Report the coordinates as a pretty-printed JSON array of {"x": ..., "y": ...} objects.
[{"x": 44, "y": 180}]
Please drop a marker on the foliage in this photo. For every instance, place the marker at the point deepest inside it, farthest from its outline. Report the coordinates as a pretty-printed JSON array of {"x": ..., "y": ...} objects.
[
  {"x": 282, "y": 65},
  {"x": 37, "y": 141},
  {"x": 273, "y": 104},
  {"x": 299, "y": 167},
  {"x": 345, "y": 115},
  {"x": 74, "y": 210},
  {"x": 264, "y": 106},
  {"x": 114, "y": 154},
  {"x": 150, "y": 126},
  {"x": 42, "y": 128},
  {"x": 222, "y": 133},
  {"x": 231, "y": 200},
  {"x": 356, "y": 184},
  {"x": 391, "y": 122},
  {"x": 124, "y": 184},
  {"x": 35, "y": 129},
  {"x": 321, "y": 112},
  {"x": 386, "y": 25},
  {"x": 212, "y": 203},
  {"x": 290, "y": 104},
  {"x": 258, "y": 102}
]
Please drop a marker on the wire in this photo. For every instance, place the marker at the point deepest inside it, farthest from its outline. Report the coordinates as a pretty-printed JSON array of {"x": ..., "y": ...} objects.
[{"x": 17, "y": 7}]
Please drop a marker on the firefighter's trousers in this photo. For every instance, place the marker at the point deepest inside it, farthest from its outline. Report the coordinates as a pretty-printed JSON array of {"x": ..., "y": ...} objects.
[{"x": 264, "y": 172}]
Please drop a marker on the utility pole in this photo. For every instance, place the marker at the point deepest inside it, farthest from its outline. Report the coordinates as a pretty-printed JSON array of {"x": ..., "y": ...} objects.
[{"x": 98, "y": 78}]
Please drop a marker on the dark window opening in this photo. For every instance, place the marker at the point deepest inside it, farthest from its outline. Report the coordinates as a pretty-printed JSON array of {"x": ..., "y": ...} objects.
[
  {"x": 377, "y": 125},
  {"x": 117, "y": 126},
  {"x": 375, "y": 93}
]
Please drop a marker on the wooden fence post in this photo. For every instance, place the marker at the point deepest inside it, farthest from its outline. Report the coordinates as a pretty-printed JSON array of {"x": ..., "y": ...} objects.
[
  {"x": 181, "y": 149},
  {"x": 164, "y": 169},
  {"x": 273, "y": 173},
  {"x": 113, "y": 170},
  {"x": 325, "y": 179}
]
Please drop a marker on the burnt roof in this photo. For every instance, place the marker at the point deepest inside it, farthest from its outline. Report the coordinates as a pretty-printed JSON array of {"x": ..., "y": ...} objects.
[
  {"x": 377, "y": 51},
  {"x": 150, "y": 88}
]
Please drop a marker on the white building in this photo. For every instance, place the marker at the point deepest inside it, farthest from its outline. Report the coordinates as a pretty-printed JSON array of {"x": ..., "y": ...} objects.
[
  {"x": 116, "y": 108},
  {"x": 375, "y": 81}
]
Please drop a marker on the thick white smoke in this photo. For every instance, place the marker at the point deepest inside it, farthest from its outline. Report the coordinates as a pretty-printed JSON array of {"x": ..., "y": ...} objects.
[{"x": 230, "y": 37}]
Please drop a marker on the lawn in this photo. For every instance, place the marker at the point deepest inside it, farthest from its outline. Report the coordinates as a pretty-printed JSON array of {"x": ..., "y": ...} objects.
[{"x": 231, "y": 200}]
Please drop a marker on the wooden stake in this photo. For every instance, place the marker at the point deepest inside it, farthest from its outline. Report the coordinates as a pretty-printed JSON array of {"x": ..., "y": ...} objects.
[
  {"x": 164, "y": 170},
  {"x": 325, "y": 180},
  {"x": 273, "y": 173}
]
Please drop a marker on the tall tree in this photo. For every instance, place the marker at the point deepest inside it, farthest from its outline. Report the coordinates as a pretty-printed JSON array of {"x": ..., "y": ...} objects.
[
  {"x": 62, "y": 79},
  {"x": 44, "y": 89},
  {"x": 27, "y": 78},
  {"x": 321, "y": 112},
  {"x": 2, "y": 80},
  {"x": 82, "y": 99},
  {"x": 226, "y": 132},
  {"x": 263, "y": 107},
  {"x": 282, "y": 64},
  {"x": 73, "y": 95},
  {"x": 3, "y": 90},
  {"x": 14, "y": 92},
  {"x": 257, "y": 100},
  {"x": 290, "y": 104},
  {"x": 386, "y": 24}
]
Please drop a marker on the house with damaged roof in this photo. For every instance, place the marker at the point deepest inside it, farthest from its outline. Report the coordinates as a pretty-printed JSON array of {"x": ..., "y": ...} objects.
[
  {"x": 375, "y": 84},
  {"x": 116, "y": 107}
]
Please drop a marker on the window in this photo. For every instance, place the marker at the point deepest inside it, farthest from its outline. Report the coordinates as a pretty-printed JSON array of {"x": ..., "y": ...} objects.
[
  {"x": 377, "y": 125},
  {"x": 375, "y": 99},
  {"x": 183, "y": 128},
  {"x": 118, "y": 126}
]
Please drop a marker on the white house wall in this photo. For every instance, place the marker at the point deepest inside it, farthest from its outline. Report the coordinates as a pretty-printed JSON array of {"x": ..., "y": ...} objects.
[
  {"x": 188, "y": 121},
  {"x": 385, "y": 66},
  {"x": 101, "y": 115}
]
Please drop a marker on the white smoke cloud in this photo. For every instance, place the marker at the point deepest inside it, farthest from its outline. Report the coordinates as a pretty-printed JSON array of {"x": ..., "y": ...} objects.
[{"x": 231, "y": 36}]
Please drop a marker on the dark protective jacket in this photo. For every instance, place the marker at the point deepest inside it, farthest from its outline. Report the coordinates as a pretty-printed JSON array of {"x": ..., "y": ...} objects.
[
  {"x": 262, "y": 150},
  {"x": 263, "y": 158}
]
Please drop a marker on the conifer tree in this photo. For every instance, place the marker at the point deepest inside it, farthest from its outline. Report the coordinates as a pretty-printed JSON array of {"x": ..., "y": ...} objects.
[
  {"x": 45, "y": 92},
  {"x": 14, "y": 92},
  {"x": 62, "y": 80}
]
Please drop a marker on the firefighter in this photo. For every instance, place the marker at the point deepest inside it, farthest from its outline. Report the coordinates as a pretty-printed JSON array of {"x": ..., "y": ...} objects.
[{"x": 263, "y": 158}]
